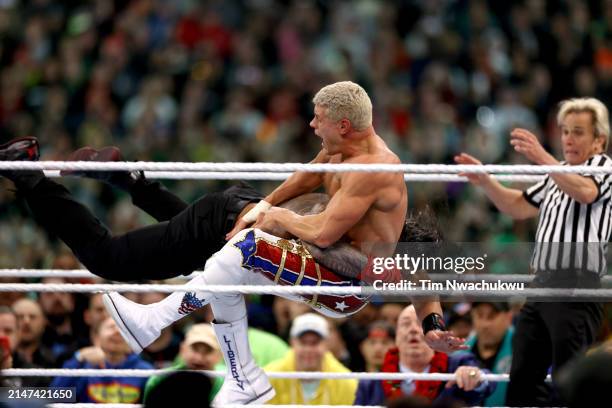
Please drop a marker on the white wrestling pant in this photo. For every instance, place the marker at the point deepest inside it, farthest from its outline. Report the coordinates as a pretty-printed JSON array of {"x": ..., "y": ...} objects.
[{"x": 254, "y": 257}]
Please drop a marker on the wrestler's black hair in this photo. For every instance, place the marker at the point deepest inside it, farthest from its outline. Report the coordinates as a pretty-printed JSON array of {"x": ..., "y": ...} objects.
[{"x": 421, "y": 226}]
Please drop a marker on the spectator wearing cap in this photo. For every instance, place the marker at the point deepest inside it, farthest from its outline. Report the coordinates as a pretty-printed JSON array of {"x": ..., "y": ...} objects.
[
  {"x": 460, "y": 322},
  {"x": 199, "y": 351},
  {"x": 309, "y": 352},
  {"x": 381, "y": 337},
  {"x": 412, "y": 355},
  {"x": 491, "y": 343}
]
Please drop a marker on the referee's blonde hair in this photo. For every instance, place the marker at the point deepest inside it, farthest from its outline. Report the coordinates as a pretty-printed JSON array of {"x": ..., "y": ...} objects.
[
  {"x": 346, "y": 100},
  {"x": 599, "y": 112}
]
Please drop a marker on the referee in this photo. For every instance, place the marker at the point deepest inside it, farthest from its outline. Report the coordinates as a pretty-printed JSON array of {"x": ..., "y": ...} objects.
[{"x": 571, "y": 239}]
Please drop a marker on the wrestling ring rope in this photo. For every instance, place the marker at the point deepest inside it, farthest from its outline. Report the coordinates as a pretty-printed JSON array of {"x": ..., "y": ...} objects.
[
  {"x": 474, "y": 294},
  {"x": 524, "y": 169},
  {"x": 303, "y": 375},
  {"x": 268, "y": 176},
  {"x": 280, "y": 171},
  {"x": 437, "y": 277},
  {"x": 226, "y": 406}
]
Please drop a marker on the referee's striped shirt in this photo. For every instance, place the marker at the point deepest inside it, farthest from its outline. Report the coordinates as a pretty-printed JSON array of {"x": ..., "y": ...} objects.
[{"x": 571, "y": 235}]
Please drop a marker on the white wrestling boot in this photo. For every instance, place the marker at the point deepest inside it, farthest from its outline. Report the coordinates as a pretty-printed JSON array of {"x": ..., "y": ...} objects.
[
  {"x": 245, "y": 382},
  {"x": 140, "y": 325}
]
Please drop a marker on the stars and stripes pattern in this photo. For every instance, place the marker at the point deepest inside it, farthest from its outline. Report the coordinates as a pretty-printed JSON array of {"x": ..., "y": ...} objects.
[
  {"x": 289, "y": 263},
  {"x": 190, "y": 303}
]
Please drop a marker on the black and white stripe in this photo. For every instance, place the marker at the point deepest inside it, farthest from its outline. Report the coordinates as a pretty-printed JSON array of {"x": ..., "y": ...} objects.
[{"x": 569, "y": 234}]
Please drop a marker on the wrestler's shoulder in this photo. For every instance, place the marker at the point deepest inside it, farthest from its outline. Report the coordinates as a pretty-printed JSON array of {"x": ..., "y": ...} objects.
[
  {"x": 375, "y": 180},
  {"x": 386, "y": 157}
]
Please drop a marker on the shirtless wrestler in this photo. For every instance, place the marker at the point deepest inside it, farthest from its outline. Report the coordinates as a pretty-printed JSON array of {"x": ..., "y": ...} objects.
[{"x": 357, "y": 213}]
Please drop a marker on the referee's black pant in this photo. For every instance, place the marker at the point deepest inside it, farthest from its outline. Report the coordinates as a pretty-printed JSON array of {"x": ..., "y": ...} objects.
[{"x": 548, "y": 334}]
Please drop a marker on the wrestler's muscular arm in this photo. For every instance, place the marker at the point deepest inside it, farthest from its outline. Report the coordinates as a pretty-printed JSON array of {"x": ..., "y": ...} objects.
[
  {"x": 297, "y": 184},
  {"x": 344, "y": 210}
]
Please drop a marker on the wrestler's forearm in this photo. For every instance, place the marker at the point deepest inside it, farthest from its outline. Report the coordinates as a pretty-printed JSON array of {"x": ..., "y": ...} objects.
[
  {"x": 306, "y": 228},
  {"x": 299, "y": 183},
  {"x": 424, "y": 307}
]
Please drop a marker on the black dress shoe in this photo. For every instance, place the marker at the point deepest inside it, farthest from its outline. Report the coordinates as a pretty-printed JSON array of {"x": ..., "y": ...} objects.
[
  {"x": 21, "y": 149},
  {"x": 123, "y": 180}
]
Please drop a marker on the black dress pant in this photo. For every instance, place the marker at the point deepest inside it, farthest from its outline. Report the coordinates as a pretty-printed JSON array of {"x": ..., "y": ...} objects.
[
  {"x": 548, "y": 334},
  {"x": 187, "y": 236}
]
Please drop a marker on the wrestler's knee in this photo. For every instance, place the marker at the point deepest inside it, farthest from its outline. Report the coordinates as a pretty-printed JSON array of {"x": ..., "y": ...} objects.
[
  {"x": 101, "y": 265},
  {"x": 112, "y": 260}
]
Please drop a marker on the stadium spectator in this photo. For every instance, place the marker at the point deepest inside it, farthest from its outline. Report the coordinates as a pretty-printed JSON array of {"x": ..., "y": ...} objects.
[
  {"x": 199, "y": 351},
  {"x": 94, "y": 314},
  {"x": 309, "y": 352},
  {"x": 380, "y": 338},
  {"x": 9, "y": 329},
  {"x": 109, "y": 351},
  {"x": 491, "y": 343},
  {"x": 60, "y": 334},
  {"x": 31, "y": 323},
  {"x": 412, "y": 355}
]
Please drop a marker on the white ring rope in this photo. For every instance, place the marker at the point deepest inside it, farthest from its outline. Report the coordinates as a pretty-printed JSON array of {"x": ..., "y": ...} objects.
[
  {"x": 47, "y": 273},
  {"x": 539, "y": 293},
  {"x": 208, "y": 175},
  {"x": 303, "y": 375},
  {"x": 305, "y": 167},
  {"x": 95, "y": 405},
  {"x": 102, "y": 405},
  {"x": 435, "y": 277}
]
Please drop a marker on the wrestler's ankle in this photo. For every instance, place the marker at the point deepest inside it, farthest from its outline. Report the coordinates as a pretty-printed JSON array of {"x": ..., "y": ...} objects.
[
  {"x": 128, "y": 181},
  {"x": 141, "y": 187}
]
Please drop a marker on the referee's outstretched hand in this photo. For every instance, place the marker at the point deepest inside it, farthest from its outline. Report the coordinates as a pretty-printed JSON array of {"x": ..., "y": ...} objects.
[
  {"x": 474, "y": 178},
  {"x": 444, "y": 341},
  {"x": 527, "y": 144}
]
